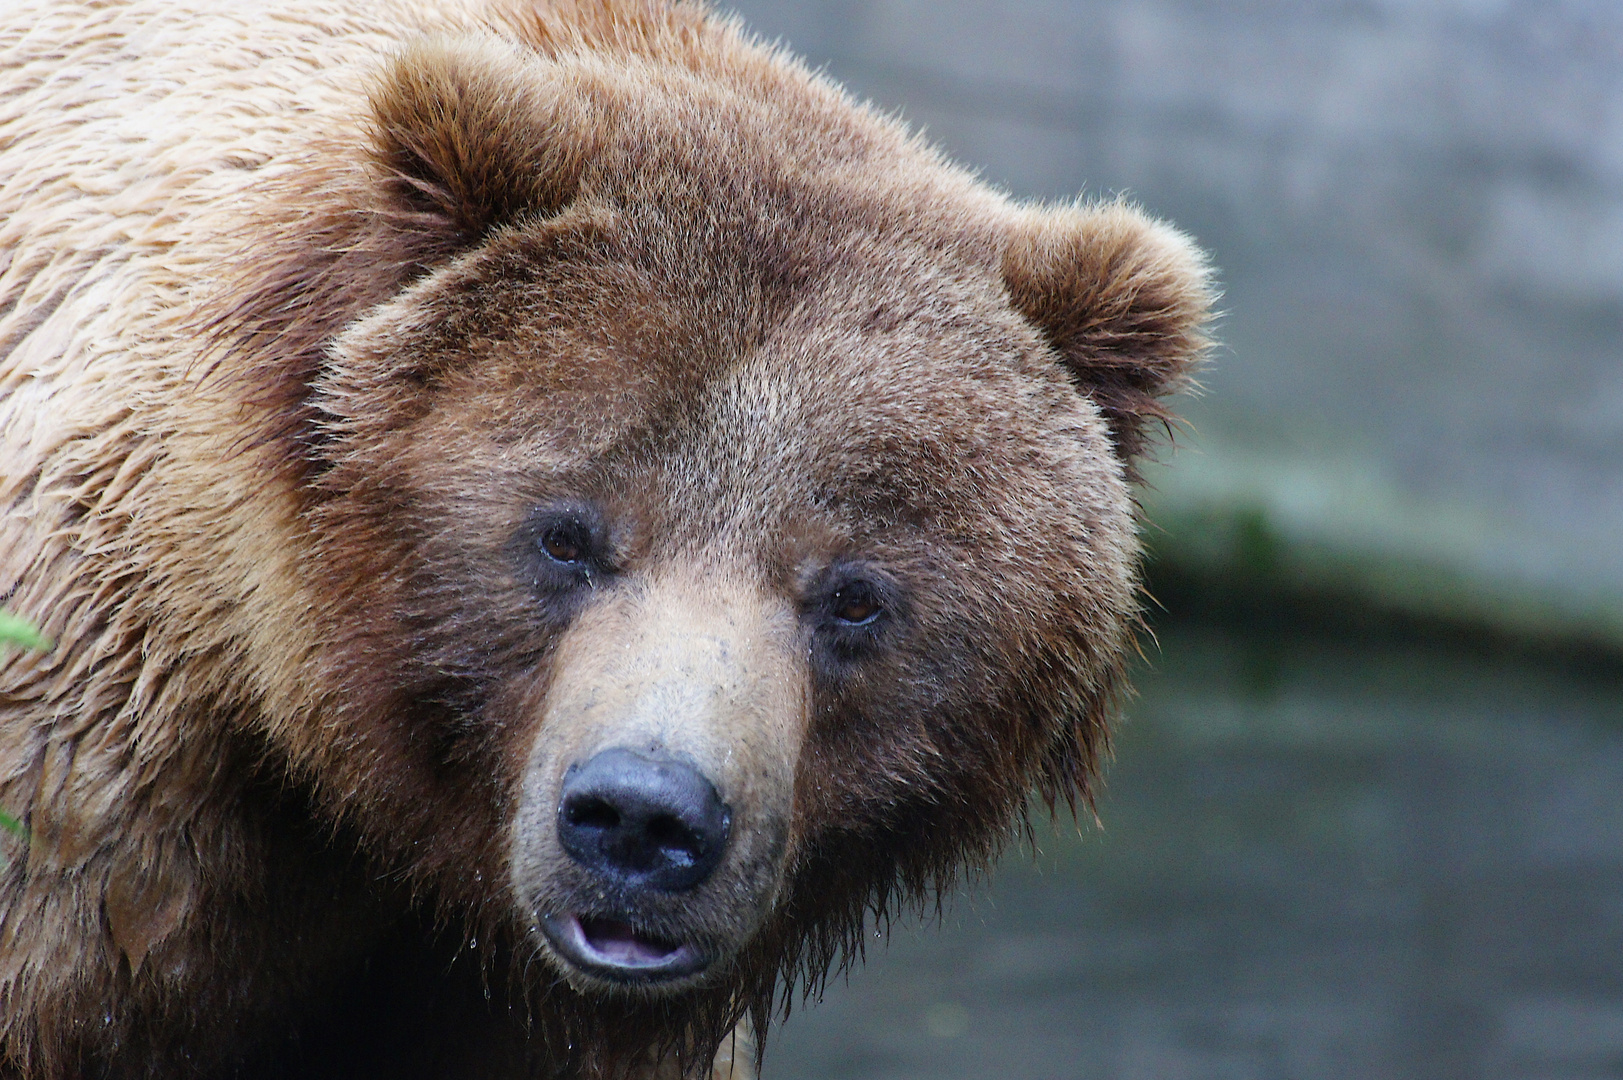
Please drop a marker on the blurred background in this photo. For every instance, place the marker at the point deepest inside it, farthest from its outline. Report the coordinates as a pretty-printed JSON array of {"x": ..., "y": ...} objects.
[{"x": 1366, "y": 816}]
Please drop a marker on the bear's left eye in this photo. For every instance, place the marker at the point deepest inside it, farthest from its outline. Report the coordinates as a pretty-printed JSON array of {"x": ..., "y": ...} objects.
[
  {"x": 851, "y": 607},
  {"x": 856, "y": 604}
]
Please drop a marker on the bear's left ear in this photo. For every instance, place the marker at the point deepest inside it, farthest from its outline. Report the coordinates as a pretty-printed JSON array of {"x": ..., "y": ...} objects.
[{"x": 1123, "y": 299}]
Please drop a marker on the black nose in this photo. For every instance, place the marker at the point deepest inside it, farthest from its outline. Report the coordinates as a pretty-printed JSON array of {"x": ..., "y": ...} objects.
[{"x": 645, "y": 822}]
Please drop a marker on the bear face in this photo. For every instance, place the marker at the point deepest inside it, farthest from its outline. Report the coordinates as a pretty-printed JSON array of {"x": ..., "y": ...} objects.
[
  {"x": 809, "y": 553},
  {"x": 700, "y": 517},
  {"x": 733, "y": 511}
]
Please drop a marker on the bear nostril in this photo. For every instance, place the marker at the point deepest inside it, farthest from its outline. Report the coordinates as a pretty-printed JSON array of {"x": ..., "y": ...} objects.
[
  {"x": 675, "y": 840},
  {"x": 592, "y": 814},
  {"x": 644, "y": 822}
]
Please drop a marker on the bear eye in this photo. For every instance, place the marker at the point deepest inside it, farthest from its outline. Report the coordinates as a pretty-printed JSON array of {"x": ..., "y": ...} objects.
[
  {"x": 853, "y": 608},
  {"x": 565, "y": 546},
  {"x": 856, "y": 604},
  {"x": 565, "y": 542}
]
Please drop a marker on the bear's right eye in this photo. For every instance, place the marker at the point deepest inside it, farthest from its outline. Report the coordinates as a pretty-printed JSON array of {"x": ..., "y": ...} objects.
[
  {"x": 567, "y": 545},
  {"x": 565, "y": 542}
]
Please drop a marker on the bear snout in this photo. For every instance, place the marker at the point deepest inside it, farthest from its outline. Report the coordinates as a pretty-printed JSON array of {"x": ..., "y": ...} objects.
[
  {"x": 651, "y": 829},
  {"x": 642, "y": 822}
]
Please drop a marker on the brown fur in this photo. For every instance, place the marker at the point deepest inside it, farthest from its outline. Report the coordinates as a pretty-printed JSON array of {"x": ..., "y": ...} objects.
[{"x": 288, "y": 363}]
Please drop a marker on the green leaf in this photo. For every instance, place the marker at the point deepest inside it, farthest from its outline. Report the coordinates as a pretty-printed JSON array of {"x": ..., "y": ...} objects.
[
  {"x": 15, "y": 630},
  {"x": 13, "y": 826},
  {"x": 18, "y": 631}
]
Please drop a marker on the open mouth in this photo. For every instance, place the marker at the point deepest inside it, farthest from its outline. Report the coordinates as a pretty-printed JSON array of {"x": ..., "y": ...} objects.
[{"x": 615, "y": 949}]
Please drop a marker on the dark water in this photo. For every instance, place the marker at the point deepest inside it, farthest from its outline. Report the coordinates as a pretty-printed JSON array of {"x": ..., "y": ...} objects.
[{"x": 1317, "y": 861}]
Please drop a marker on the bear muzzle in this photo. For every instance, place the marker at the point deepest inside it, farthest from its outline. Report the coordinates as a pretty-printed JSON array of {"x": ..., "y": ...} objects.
[
  {"x": 640, "y": 824},
  {"x": 651, "y": 836}
]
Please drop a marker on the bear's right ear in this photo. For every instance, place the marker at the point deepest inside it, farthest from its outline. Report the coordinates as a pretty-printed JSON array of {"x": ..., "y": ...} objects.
[
  {"x": 1122, "y": 298},
  {"x": 468, "y": 134},
  {"x": 474, "y": 133}
]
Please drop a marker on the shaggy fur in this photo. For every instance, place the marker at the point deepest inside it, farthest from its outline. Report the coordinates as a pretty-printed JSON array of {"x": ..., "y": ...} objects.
[{"x": 308, "y": 309}]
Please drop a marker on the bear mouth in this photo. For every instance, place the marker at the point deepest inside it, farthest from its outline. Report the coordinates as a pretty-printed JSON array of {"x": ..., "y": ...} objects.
[{"x": 617, "y": 950}]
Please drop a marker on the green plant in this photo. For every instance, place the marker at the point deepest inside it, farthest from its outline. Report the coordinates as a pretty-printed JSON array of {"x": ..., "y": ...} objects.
[{"x": 15, "y": 630}]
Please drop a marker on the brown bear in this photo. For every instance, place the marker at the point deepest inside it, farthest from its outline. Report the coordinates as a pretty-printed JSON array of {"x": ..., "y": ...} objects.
[{"x": 551, "y": 513}]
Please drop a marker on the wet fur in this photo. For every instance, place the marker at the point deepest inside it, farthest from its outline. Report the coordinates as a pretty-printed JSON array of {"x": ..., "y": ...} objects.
[{"x": 270, "y": 413}]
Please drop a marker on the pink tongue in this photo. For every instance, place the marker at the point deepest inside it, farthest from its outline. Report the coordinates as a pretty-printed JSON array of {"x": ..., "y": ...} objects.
[{"x": 621, "y": 944}]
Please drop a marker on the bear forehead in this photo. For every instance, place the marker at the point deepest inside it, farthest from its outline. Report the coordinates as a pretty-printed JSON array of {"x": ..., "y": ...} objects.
[
  {"x": 591, "y": 352},
  {"x": 750, "y": 304},
  {"x": 665, "y": 134}
]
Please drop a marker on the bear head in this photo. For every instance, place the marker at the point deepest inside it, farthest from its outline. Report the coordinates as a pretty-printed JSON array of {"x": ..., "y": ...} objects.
[{"x": 720, "y": 504}]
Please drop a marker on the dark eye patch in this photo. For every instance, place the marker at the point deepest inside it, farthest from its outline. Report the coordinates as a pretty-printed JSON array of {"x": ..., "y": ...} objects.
[
  {"x": 564, "y": 546},
  {"x": 851, "y": 607}
]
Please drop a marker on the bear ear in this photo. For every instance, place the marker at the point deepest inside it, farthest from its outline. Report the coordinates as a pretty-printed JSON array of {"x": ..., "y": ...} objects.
[
  {"x": 468, "y": 135},
  {"x": 1122, "y": 298}
]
